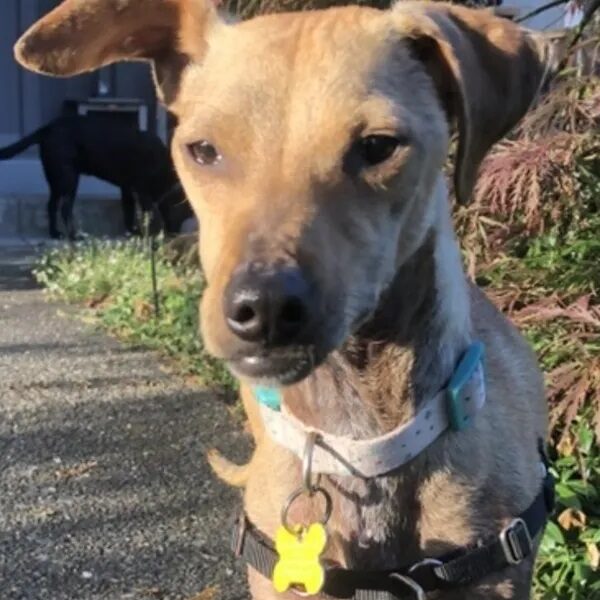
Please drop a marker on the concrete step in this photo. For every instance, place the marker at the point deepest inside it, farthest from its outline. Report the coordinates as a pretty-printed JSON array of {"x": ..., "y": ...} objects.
[{"x": 26, "y": 216}]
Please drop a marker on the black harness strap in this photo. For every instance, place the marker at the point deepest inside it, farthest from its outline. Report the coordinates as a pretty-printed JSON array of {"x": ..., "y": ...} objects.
[{"x": 461, "y": 568}]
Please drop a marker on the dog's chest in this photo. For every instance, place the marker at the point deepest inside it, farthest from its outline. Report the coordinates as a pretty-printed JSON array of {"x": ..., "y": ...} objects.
[{"x": 374, "y": 524}]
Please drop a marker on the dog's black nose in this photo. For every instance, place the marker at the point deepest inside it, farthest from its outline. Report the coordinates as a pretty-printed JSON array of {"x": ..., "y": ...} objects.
[{"x": 267, "y": 304}]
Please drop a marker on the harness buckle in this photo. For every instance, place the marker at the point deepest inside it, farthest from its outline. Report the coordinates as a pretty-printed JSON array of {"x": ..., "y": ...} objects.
[
  {"x": 410, "y": 583},
  {"x": 516, "y": 541}
]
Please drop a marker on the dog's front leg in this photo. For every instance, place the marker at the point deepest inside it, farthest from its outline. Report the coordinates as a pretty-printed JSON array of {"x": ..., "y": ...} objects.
[
  {"x": 128, "y": 206},
  {"x": 53, "y": 204}
]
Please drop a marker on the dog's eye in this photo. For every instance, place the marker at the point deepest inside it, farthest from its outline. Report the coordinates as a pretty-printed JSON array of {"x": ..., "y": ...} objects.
[
  {"x": 204, "y": 153},
  {"x": 375, "y": 149}
]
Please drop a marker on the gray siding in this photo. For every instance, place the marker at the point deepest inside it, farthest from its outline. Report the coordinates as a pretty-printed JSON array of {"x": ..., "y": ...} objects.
[{"x": 10, "y": 79}]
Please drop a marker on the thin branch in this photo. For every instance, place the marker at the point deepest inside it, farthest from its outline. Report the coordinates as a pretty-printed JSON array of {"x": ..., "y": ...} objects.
[
  {"x": 540, "y": 10},
  {"x": 590, "y": 10},
  {"x": 587, "y": 17}
]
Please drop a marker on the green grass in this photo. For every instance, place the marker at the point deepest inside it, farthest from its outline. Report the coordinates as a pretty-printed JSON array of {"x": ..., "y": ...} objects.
[
  {"x": 567, "y": 567},
  {"x": 113, "y": 280}
]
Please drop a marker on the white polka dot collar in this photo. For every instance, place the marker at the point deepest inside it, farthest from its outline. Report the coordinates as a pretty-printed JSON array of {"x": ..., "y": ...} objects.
[{"x": 452, "y": 408}]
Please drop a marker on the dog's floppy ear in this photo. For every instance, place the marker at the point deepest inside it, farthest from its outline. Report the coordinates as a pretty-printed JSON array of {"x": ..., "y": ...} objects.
[
  {"x": 83, "y": 35},
  {"x": 486, "y": 70}
]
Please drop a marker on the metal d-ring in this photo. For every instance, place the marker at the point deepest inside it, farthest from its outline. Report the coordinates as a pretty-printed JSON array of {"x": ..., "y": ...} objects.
[
  {"x": 295, "y": 495},
  {"x": 309, "y": 487},
  {"x": 416, "y": 589}
]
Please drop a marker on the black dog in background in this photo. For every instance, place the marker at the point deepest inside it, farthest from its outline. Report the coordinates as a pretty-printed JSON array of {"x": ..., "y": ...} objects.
[{"x": 137, "y": 162}]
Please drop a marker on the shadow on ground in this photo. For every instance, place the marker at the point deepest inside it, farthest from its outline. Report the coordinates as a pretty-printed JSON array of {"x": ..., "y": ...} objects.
[
  {"x": 111, "y": 499},
  {"x": 16, "y": 277},
  {"x": 105, "y": 492},
  {"x": 15, "y": 270}
]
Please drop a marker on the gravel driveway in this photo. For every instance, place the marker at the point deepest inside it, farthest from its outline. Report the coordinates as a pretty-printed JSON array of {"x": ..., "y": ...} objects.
[{"x": 104, "y": 490}]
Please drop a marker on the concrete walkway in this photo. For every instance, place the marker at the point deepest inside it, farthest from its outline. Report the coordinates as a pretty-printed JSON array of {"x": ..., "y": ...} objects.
[{"x": 104, "y": 491}]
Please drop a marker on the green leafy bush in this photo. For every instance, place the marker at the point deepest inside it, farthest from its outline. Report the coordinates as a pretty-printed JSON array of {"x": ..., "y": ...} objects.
[
  {"x": 567, "y": 566},
  {"x": 532, "y": 239}
]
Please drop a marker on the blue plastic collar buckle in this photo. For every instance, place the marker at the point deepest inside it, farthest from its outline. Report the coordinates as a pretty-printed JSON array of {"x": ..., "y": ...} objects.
[
  {"x": 457, "y": 416},
  {"x": 270, "y": 397}
]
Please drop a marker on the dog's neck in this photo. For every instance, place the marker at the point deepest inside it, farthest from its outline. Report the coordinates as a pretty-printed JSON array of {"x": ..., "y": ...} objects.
[{"x": 407, "y": 350}]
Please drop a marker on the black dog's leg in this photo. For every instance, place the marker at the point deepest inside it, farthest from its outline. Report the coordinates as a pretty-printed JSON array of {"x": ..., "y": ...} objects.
[
  {"x": 53, "y": 204},
  {"x": 128, "y": 204},
  {"x": 58, "y": 182},
  {"x": 66, "y": 212},
  {"x": 63, "y": 179},
  {"x": 70, "y": 182}
]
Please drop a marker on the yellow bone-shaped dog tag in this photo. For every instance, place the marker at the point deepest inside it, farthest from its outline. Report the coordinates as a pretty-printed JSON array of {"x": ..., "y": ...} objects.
[{"x": 299, "y": 562}]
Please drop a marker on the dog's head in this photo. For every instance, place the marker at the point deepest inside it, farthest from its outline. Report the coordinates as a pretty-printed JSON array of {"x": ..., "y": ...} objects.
[{"x": 309, "y": 145}]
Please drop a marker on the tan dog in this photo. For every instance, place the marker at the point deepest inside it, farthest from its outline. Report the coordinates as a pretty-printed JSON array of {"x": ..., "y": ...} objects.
[{"x": 311, "y": 147}]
